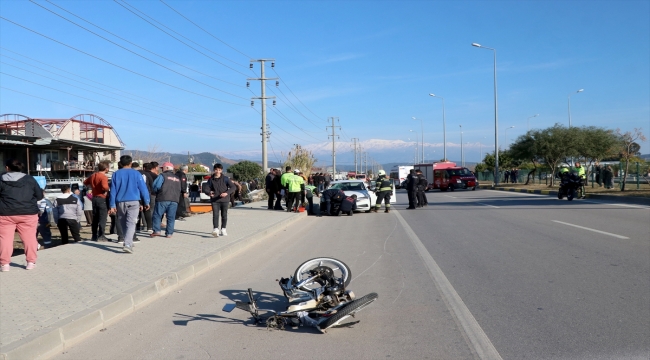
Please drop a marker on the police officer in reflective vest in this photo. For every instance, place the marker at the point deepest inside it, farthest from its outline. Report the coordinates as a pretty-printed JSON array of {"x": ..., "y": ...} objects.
[
  {"x": 384, "y": 190},
  {"x": 580, "y": 171}
]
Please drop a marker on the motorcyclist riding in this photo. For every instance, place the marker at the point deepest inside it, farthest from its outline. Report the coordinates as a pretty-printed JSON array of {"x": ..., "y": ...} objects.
[
  {"x": 580, "y": 172},
  {"x": 384, "y": 191}
]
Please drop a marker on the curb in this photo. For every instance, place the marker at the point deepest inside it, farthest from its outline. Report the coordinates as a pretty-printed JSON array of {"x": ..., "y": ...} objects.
[
  {"x": 622, "y": 199},
  {"x": 60, "y": 336}
]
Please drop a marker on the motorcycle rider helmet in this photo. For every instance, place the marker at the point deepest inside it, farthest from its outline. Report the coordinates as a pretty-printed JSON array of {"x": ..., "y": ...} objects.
[{"x": 382, "y": 172}]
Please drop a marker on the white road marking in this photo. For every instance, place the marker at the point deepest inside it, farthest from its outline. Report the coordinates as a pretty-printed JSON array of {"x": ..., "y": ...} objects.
[
  {"x": 478, "y": 340},
  {"x": 488, "y": 205},
  {"x": 623, "y": 205},
  {"x": 517, "y": 193},
  {"x": 594, "y": 230},
  {"x": 450, "y": 196}
]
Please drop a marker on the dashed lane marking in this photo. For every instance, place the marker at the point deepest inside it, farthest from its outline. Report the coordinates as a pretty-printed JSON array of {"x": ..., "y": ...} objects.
[
  {"x": 496, "y": 207},
  {"x": 590, "y": 229}
]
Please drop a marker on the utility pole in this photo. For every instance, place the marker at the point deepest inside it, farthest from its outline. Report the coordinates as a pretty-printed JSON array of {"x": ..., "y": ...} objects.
[
  {"x": 366, "y": 162},
  {"x": 355, "y": 154},
  {"x": 262, "y": 80},
  {"x": 334, "y": 137}
]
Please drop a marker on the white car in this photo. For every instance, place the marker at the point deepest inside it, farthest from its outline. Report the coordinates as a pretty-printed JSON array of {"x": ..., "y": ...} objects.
[{"x": 366, "y": 198}]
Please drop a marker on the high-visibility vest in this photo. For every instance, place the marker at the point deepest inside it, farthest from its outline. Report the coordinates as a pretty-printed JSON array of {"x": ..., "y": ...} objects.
[{"x": 294, "y": 183}]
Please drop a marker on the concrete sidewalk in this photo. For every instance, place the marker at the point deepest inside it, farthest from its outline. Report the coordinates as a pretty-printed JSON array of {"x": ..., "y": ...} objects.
[
  {"x": 621, "y": 199},
  {"x": 80, "y": 288}
]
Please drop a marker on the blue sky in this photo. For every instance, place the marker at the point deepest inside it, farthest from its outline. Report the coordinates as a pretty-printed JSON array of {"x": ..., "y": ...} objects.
[{"x": 371, "y": 63}]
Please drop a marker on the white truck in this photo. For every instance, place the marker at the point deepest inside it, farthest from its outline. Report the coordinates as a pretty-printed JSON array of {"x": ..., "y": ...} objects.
[{"x": 398, "y": 173}]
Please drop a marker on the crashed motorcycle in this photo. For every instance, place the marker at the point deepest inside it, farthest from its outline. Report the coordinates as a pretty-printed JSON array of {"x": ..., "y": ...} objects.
[
  {"x": 317, "y": 297},
  {"x": 570, "y": 184}
]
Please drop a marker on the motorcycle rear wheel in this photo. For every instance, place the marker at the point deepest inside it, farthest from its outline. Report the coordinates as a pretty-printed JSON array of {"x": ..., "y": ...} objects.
[
  {"x": 349, "y": 310},
  {"x": 341, "y": 270}
]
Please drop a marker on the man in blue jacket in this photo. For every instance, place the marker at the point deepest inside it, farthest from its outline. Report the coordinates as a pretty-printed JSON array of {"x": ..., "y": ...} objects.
[{"x": 127, "y": 190}]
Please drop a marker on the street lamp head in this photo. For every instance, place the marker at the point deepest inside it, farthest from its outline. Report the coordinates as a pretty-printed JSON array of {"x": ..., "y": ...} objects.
[
  {"x": 413, "y": 117},
  {"x": 581, "y": 90},
  {"x": 432, "y": 94},
  {"x": 511, "y": 127},
  {"x": 475, "y": 44}
]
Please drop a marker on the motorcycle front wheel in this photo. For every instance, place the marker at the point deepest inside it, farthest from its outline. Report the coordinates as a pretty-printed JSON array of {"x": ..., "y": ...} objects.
[
  {"x": 341, "y": 271},
  {"x": 571, "y": 195},
  {"x": 349, "y": 310}
]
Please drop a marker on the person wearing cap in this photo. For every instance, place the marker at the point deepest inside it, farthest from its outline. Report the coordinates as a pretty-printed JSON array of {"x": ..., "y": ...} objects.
[
  {"x": 220, "y": 189},
  {"x": 580, "y": 172},
  {"x": 384, "y": 190},
  {"x": 167, "y": 186},
  {"x": 127, "y": 190},
  {"x": 296, "y": 186}
]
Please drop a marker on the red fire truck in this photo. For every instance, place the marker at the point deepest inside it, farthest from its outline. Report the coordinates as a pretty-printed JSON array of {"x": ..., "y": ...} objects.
[{"x": 447, "y": 176}]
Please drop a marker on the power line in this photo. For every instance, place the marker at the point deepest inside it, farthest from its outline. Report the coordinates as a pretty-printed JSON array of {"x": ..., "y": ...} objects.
[
  {"x": 303, "y": 104},
  {"x": 292, "y": 106},
  {"x": 104, "y": 95},
  {"x": 139, "y": 55},
  {"x": 85, "y": 98},
  {"x": 118, "y": 66},
  {"x": 207, "y": 32},
  {"x": 160, "y": 104},
  {"x": 140, "y": 47},
  {"x": 177, "y": 39},
  {"x": 105, "y": 115}
]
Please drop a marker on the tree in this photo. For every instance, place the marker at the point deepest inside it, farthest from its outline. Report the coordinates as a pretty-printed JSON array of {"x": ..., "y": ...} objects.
[
  {"x": 505, "y": 161},
  {"x": 629, "y": 148},
  {"x": 594, "y": 144},
  {"x": 555, "y": 144},
  {"x": 245, "y": 170},
  {"x": 302, "y": 159},
  {"x": 526, "y": 148}
]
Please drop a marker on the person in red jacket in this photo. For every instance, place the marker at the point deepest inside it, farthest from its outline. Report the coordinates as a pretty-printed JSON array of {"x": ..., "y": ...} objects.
[{"x": 19, "y": 194}]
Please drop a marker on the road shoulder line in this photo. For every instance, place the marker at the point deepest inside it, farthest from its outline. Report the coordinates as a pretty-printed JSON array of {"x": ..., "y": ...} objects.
[{"x": 479, "y": 341}]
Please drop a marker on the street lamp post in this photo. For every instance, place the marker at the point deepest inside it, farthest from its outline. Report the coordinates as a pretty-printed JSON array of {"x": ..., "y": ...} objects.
[
  {"x": 569, "y": 97},
  {"x": 416, "y": 144},
  {"x": 462, "y": 154},
  {"x": 506, "y": 137},
  {"x": 496, "y": 117},
  {"x": 528, "y": 121},
  {"x": 422, "y": 131},
  {"x": 444, "y": 129}
]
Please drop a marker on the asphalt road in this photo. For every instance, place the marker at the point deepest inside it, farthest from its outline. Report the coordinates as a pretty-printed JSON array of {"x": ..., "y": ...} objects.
[{"x": 525, "y": 276}]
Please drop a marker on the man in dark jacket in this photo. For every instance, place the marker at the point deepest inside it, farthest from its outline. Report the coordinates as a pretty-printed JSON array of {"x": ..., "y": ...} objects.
[
  {"x": 220, "y": 189},
  {"x": 182, "y": 210},
  {"x": 276, "y": 188},
  {"x": 411, "y": 185},
  {"x": 421, "y": 186},
  {"x": 151, "y": 172},
  {"x": 166, "y": 187},
  {"x": 268, "y": 186},
  {"x": 19, "y": 194}
]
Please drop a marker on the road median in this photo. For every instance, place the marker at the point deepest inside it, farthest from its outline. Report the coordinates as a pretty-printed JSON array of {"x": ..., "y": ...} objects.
[{"x": 617, "y": 198}]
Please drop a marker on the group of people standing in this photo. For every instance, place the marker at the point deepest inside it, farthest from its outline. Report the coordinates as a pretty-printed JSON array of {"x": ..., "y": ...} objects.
[
  {"x": 416, "y": 185},
  {"x": 294, "y": 187},
  {"x": 511, "y": 176}
]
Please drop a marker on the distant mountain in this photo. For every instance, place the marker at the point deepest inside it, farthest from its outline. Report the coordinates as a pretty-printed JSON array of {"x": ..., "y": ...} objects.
[
  {"x": 204, "y": 158},
  {"x": 645, "y": 157}
]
